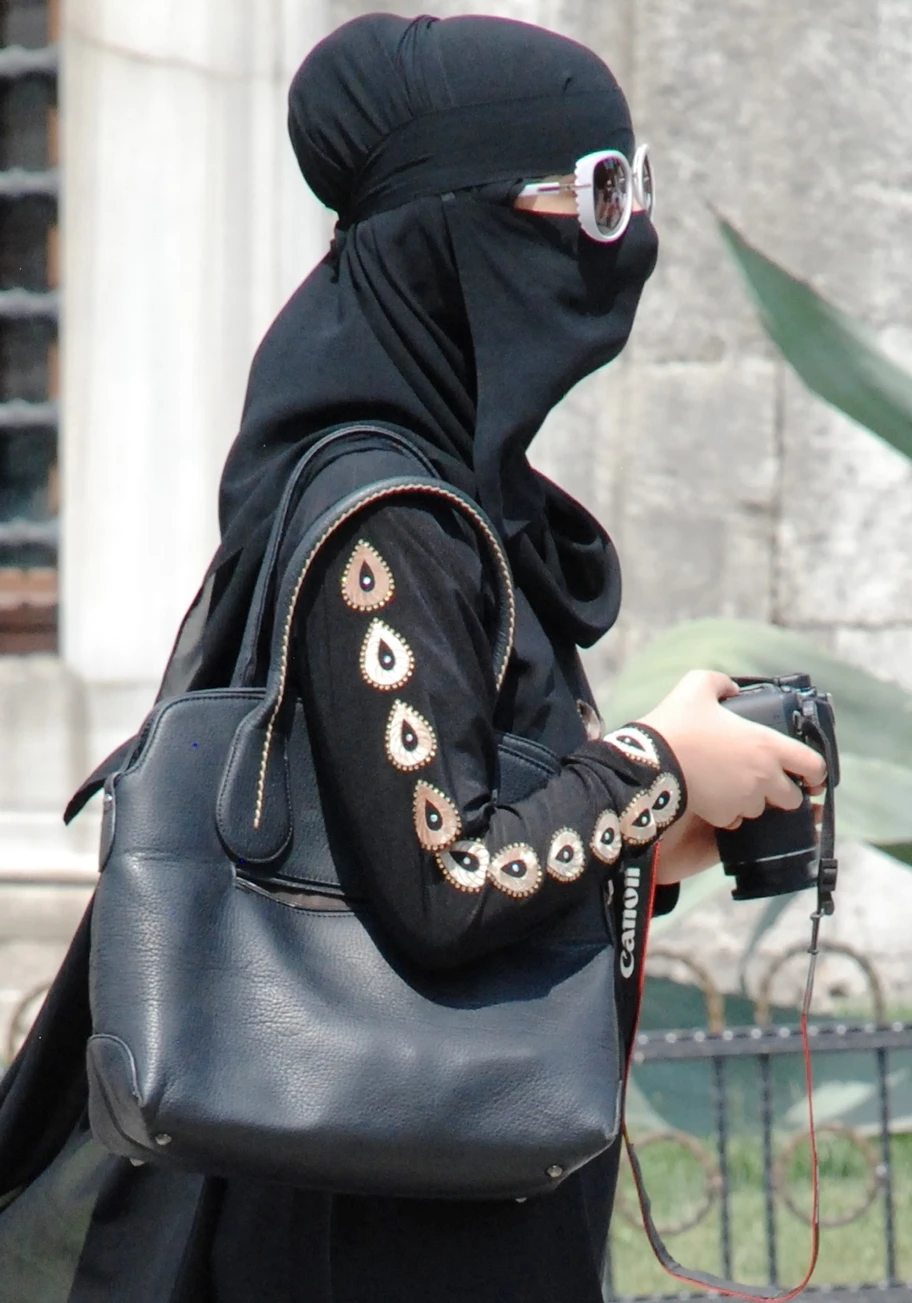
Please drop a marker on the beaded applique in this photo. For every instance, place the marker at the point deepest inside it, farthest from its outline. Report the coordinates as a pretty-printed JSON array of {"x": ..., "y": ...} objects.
[
  {"x": 635, "y": 744},
  {"x": 437, "y": 821},
  {"x": 367, "y": 581},
  {"x": 465, "y": 865},
  {"x": 665, "y": 799},
  {"x": 387, "y": 661},
  {"x": 638, "y": 825},
  {"x": 605, "y": 842},
  {"x": 410, "y": 740},
  {"x": 566, "y": 855},
  {"x": 516, "y": 870}
]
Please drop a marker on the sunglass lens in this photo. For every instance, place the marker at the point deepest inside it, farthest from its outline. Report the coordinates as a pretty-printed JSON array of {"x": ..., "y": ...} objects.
[
  {"x": 647, "y": 185},
  {"x": 609, "y": 186}
]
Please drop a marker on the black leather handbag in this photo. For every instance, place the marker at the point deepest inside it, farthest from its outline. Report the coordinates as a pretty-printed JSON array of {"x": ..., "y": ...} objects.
[{"x": 251, "y": 1018}]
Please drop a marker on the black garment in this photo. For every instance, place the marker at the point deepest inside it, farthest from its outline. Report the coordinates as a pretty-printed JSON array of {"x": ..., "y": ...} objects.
[{"x": 449, "y": 314}]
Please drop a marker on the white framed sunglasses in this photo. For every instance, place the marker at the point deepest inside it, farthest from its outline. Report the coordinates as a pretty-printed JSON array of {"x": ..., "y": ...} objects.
[{"x": 605, "y": 185}]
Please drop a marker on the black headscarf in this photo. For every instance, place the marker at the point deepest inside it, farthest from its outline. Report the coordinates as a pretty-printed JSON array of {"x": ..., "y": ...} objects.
[{"x": 439, "y": 307}]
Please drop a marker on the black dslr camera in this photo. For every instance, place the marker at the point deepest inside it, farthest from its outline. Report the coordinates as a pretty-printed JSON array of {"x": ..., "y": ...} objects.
[{"x": 779, "y": 853}]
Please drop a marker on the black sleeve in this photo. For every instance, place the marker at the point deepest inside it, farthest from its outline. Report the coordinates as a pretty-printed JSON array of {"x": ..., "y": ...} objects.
[
  {"x": 666, "y": 897},
  {"x": 395, "y": 664}
]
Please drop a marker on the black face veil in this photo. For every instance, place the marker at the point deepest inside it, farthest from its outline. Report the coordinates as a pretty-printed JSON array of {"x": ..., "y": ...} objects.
[{"x": 439, "y": 307}]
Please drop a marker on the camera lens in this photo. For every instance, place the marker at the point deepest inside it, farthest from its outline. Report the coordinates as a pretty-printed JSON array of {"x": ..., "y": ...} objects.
[{"x": 754, "y": 857}]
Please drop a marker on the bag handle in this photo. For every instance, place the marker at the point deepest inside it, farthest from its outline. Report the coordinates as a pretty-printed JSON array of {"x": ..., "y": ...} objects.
[
  {"x": 253, "y": 811},
  {"x": 245, "y": 668}
]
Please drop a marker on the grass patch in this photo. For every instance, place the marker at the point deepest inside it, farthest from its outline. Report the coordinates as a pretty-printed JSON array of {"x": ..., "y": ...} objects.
[{"x": 849, "y": 1254}]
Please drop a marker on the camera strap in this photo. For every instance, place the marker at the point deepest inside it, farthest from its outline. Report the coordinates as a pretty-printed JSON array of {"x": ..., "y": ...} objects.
[{"x": 640, "y": 897}]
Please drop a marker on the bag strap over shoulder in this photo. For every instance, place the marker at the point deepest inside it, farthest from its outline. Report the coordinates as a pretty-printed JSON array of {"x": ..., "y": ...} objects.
[{"x": 253, "y": 810}]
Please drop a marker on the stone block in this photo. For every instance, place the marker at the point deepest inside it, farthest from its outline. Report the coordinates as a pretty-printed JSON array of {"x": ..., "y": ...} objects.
[
  {"x": 38, "y": 713},
  {"x": 697, "y": 494},
  {"x": 884, "y": 652},
  {"x": 845, "y": 554},
  {"x": 217, "y": 40},
  {"x": 792, "y": 118}
]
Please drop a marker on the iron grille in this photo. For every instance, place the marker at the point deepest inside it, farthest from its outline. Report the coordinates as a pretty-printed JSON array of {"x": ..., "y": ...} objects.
[{"x": 29, "y": 306}]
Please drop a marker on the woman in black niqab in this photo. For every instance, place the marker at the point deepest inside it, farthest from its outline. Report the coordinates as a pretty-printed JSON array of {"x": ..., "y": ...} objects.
[
  {"x": 439, "y": 307},
  {"x": 446, "y": 312}
]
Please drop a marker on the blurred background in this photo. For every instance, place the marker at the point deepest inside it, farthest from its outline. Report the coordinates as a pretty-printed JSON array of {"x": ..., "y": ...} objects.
[{"x": 152, "y": 221}]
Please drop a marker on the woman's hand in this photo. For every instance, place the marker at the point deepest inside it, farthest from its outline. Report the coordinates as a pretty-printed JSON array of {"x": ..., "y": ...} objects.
[
  {"x": 688, "y": 847},
  {"x": 733, "y": 767}
]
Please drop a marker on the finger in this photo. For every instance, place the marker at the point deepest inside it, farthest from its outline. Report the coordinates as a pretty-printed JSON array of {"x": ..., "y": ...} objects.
[
  {"x": 753, "y": 808},
  {"x": 713, "y": 682},
  {"x": 800, "y": 760},
  {"x": 722, "y": 686},
  {"x": 817, "y": 791},
  {"x": 784, "y": 794},
  {"x": 734, "y": 825}
]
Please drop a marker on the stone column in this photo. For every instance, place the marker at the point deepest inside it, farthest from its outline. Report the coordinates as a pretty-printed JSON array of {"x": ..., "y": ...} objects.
[{"x": 185, "y": 226}]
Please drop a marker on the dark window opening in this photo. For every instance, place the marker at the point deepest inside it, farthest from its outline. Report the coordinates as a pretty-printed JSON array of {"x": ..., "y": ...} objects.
[{"x": 28, "y": 326}]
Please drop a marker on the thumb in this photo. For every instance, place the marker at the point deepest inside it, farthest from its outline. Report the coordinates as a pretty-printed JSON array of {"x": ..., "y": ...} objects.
[{"x": 719, "y": 684}]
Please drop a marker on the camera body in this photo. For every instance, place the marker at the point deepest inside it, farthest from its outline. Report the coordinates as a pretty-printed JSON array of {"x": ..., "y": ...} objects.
[{"x": 779, "y": 853}]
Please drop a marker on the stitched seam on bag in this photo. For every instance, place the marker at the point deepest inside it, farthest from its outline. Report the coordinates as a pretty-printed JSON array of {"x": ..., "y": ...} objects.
[{"x": 437, "y": 491}]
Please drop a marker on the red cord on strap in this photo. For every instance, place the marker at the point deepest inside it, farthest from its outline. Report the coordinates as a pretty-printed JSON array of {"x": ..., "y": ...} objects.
[{"x": 718, "y": 1284}]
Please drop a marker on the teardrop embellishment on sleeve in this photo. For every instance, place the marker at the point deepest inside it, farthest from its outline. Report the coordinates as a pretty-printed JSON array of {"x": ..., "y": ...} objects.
[
  {"x": 605, "y": 842},
  {"x": 410, "y": 740},
  {"x": 634, "y": 743},
  {"x": 367, "y": 581},
  {"x": 665, "y": 799},
  {"x": 566, "y": 855},
  {"x": 437, "y": 821},
  {"x": 465, "y": 865},
  {"x": 516, "y": 871},
  {"x": 638, "y": 825},
  {"x": 387, "y": 661}
]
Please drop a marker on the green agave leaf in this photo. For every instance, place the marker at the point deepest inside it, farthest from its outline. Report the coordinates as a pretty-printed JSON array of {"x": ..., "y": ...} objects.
[
  {"x": 837, "y": 357},
  {"x": 832, "y": 1101},
  {"x": 874, "y": 801},
  {"x": 873, "y": 718},
  {"x": 901, "y": 852}
]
